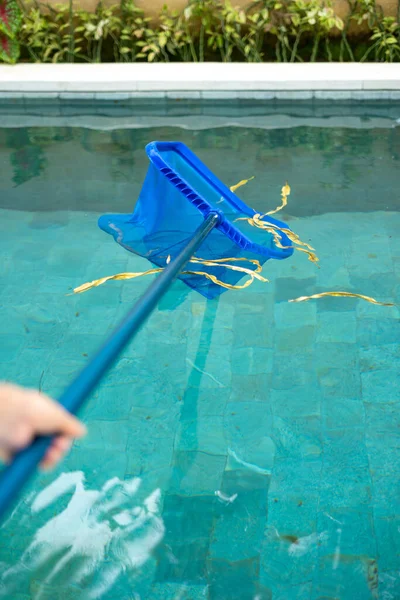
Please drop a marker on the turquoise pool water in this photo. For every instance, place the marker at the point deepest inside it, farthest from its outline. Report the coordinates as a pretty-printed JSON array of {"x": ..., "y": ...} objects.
[{"x": 244, "y": 448}]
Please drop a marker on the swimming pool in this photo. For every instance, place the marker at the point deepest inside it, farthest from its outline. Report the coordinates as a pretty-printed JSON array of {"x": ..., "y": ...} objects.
[{"x": 242, "y": 448}]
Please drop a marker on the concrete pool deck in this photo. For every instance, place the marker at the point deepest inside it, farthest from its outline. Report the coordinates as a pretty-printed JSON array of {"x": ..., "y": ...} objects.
[{"x": 335, "y": 81}]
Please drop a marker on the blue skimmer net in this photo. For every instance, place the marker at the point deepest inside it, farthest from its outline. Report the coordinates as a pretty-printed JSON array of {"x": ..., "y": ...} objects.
[{"x": 179, "y": 192}]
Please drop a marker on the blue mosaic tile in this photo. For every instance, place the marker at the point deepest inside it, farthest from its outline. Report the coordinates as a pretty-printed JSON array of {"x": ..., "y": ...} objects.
[
  {"x": 375, "y": 332},
  {"x": 294, "y": 339},
  {"x": 350, "y": 529},
  {"x": 172, "y": 331},
  {"x": 385, "y": 493},
  {"x": 105, "y": 295},
  {"x": 388, "y": 541},
  {"x": 10, "y": 347},
  {"x": 337, "y": 330},
  {"x": 251, "y": 361},
  {"x": 204, "y": 434},
  {"x": 188, "y": 563},
  {"x": 345, "y": 448},
  {"x": 296, "y": 475},
  {"x": 334, "y": 305},
  {"x": 244, "y": 517},
  {"x": 95, "y": 463},
  {"x": 250, "y": 388},
  {"x": 100, "y": 433},
  {"x": 247, "y": 420},
  {"x": 301, "y": 591},
  {"x": 196, "y": 401},
  {"x": 125, "y": 398},
  {"x": 215, "y": 374},
  {"x": 12, "y": 321},
  {"x": 290, "y": 315},
  {"x": 197, "y": 473},
  {"x": 381, "y": 417},
  {"x": 288, "y": 561},
  {"x": 290, "y": 287},
  {"x": 247, "y": 333},
  {"x": 189, "y": 516},
  {"x": 191, "y": 519},
  {"x": 297, "y": 436},
  {"x": 248, "y": 429},
  {"x": 389, "y": 584},
  {"x": 352, "y": 578},
  {"x": 383, "y": 452},
  {"x": 344, "y": 413},
  {"x": 381, "y": 386},
  {"x": 139, "y": 579},
  {"x": 255, "y": 303},
  {"x": 31, "y": 366},
  {"x": 293, "y": 371},
  {"x": 59, "y": 372},
  {"x": 342, "y": 383},
  {"x": 303, "y": 401},
  {"x": 379, "y": 357},
  {"x": 183, "y": 591},
  {"x": 77, "y": 346},
  {"x": 231, "y": 580},
  {"x": 344, "y": 486},
  {"x": 381, "y": 286}
]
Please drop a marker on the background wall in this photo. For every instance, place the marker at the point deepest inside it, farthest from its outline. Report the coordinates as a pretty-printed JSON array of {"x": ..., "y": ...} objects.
[{"x": 153, "y": 7}]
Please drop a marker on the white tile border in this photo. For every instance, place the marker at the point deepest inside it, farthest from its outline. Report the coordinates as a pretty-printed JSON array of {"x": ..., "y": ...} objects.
[
  {"x": 168, "y": 78},
  {"x": 116, "y": 97}
]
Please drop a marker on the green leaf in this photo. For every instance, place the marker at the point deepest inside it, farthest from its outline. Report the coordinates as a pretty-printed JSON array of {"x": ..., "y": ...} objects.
[
  {"x": 10, "y": 18},
  {"x": 9, "y": 50}
]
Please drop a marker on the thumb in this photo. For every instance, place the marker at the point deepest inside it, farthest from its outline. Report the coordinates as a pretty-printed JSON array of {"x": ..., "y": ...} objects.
[{"x": 48, "y": 417}]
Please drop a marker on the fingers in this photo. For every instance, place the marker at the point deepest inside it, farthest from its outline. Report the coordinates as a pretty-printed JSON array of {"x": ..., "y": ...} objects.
[
  {"x": 25, "y": 414},
  {"x": 49, "y": 417},
  {"x": 55, "y": 453},
  {"x": 5, "y": 456}
]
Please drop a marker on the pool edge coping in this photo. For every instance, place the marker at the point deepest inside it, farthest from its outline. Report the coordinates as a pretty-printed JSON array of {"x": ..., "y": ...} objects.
[{"x": 203, "y": 81}]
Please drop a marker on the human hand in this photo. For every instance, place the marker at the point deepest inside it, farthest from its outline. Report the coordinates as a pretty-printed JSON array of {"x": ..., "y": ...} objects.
[{"x": 25, "y": 414}]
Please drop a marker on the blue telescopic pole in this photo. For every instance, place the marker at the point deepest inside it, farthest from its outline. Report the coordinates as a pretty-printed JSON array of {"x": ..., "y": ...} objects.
[{"x": 15, "y": 476}]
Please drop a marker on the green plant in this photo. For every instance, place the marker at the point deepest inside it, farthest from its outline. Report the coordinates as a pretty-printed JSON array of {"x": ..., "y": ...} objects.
[
  {"x": 266, "y": 30},
  {"x": 386, "y": 37},
  {"x": 10, "y": 24},
  {"x": 134, "y": 28},
  {"x": 244, "y": 31},
  {"x": 46, "y": 37},
  {"x": 316, "y": 18},
  {"x": 96, "y": 28}
]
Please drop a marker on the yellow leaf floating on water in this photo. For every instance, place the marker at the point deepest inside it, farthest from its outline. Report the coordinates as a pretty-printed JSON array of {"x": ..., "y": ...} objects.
[
  {"x": 284, "y": 193},
  {"x": 218, "y": 262},
  {"x": 88, "y": 286},
  {"x": 311, "y": 255},
  {"x": 341, "y": 295},
  {"x": 212, "y": 278},
  {"x": 257, "y": 221},
  {"x": 235, "y": 187}
]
